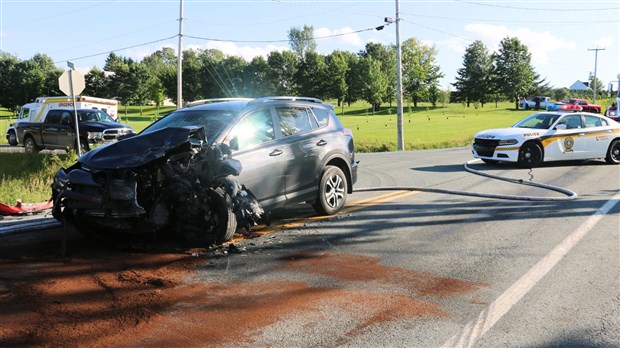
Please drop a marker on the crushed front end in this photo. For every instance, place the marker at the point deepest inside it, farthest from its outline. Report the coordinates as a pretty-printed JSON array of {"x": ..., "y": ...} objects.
[{"x": 165, "y": 182}]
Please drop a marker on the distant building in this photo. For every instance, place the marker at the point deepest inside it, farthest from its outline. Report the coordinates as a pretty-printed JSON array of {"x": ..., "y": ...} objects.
[{"x": 579, "y": 86}]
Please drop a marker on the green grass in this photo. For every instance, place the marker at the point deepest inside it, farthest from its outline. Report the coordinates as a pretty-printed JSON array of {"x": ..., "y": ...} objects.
[
  {"x": 29, "y": 176},
  {"x": 426, "y": 127}
]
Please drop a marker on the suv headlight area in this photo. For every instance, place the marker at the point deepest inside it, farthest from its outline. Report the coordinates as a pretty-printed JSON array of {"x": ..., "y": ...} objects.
[{"x": 96, "y": 136}]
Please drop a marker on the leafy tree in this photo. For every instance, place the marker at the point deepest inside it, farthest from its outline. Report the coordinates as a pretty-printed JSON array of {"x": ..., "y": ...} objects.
[
  {"x": 311, "y": 76},
  {"x": 473, "y": 80},
  {"x": 560, "y": 93},
  {"x": 232, "y": 70},
  {"x": 386, "y": 55},
  {"x": 97, "y": 83},
  {"x": 513, "y": 73},
  {"x": 282, "y": 70},
  {"x": 596, "y": 85},
  {"x": 9, "y": 83},
  {"x": 336, "y": 76},
  {"x": 141, "y": 79},
  {"x": 540, "y": 86},
  {"x": 38, "y": 76},
  {"x": 163, "y": 65},
  {"x": 129, "y": 82},
  {"x": 193, "y": 87},
  {"x": 214, "y": 83},
  {"x": 376, "y": 82},
  {"x": 420, "y": 69},
  {"x": 302, "y": 40},
  {"x": 355, "y": 78},
  {"x": 256, "y": 81}
]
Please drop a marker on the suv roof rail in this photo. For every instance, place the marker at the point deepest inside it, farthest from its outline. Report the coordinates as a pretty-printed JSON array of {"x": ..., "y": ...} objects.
[
  {"x": 304, "y": 99},
  {"x": 214, "y": 100}
]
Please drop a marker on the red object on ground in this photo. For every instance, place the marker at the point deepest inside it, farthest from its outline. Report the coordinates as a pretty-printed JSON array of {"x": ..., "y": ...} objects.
[{"x": 24, "y": 208}]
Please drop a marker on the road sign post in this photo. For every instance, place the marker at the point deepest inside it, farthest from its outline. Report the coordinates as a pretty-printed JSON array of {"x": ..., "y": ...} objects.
[{"x": 71, "y": 83}]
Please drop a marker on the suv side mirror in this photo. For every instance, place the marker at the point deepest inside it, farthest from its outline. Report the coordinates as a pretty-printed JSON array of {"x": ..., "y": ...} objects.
[
  {"x": 560, "y": 127},
  {"x": 234, "y": 143}
]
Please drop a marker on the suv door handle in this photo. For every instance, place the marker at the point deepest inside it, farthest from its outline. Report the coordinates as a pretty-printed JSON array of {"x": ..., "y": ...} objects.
[
  {"x": 276, "y": 152},
  {"x": 321, "y": 143}
]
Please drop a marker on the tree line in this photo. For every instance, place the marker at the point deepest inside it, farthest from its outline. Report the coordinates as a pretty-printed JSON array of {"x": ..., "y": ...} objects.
[{"x": 347, "y": 77}]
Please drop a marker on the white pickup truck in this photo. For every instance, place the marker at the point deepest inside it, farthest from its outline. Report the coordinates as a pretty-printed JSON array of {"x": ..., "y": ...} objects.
[{"x": 538, "y": 103}]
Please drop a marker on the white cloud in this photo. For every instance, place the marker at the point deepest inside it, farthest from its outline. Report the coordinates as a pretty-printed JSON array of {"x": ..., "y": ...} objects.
[
  {"x": 229, "y": 48},
  {"x": 540, "y": 44},
  {"x": 342, "y": 36},
  {"x": 246, "y": 52},
  {"x": 603, "y": 42},
  {"x": 455, "y": 44}
]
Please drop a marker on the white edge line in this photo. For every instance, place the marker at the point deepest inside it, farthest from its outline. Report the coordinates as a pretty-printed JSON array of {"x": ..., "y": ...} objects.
[{"x": 475, "y": 329}]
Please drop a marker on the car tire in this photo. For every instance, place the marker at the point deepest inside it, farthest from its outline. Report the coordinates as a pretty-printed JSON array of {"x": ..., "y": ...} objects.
[
  {"x": 530, "y": 155},
  {"x": 613, "y": 152},
  {"x": 30, "y": 146},
  {"x": 12, "y": 138},
  {"x": 225, "y": 219},
  {"x": 489, "y": 161},
  {"x": 332, "y": 193}
]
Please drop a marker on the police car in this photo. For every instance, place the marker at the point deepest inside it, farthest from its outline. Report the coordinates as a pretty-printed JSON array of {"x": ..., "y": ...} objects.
[{"x": 551, "y": 136}]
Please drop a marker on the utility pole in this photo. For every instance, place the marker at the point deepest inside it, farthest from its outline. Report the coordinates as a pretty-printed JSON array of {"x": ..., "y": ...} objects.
[
  {"x": 399, "y": 85},
  {"x": 180, "y": 61},
  {"x": 595, "y": 63}
]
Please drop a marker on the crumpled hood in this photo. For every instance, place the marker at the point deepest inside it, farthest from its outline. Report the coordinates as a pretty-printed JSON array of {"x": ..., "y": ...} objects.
[{"x": 140, "y": 149}]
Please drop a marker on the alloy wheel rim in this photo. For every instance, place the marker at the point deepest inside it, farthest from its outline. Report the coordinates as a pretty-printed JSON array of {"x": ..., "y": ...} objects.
[{"x": 334, "y": 191}]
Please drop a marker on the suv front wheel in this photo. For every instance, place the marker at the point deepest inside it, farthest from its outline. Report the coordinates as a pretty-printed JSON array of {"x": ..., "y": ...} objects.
[{"x": 332, "y": 191}]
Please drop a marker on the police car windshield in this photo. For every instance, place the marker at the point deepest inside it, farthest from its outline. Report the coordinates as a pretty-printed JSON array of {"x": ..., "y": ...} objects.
[
  {"x": 213, "y": 121},
  {"x": 538, "y": 121}
]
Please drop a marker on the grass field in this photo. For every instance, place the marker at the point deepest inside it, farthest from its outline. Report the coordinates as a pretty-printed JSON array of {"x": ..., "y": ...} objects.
[{"x": 29, "y": 177}]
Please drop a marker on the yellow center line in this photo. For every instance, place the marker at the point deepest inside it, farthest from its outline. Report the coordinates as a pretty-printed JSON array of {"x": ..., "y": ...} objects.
[{"x": 261, "y": 230}]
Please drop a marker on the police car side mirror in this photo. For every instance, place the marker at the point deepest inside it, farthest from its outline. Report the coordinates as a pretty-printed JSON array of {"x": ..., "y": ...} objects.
[{"x": 560, "y": 127}]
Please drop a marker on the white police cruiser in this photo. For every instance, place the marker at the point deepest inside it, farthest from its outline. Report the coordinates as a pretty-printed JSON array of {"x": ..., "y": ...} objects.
[{"x": 551, "y": 136}]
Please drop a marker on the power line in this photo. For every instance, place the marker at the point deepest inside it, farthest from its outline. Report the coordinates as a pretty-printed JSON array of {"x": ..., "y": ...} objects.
[
  {"x": 115, "y": 50},
  {"x": 555, "y": 9},
  {"x": 380, "y": 27},
  {"x": 528, "y": 21}
]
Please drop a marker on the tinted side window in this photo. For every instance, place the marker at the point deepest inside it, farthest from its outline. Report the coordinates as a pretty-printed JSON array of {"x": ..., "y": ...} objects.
[
  {"x": 66, "y": 117},
  {"x": 592, "y": 121},
  {"x": 322, "y": 116},
  {"x": 571, "y": 122},
  {"x": 255, "y": 128},
  {"x": 293, "y": 120},
  {"x": 53, "y": 117}
]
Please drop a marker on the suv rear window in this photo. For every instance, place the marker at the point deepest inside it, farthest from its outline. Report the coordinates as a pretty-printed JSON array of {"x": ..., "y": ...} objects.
[{"x": 322, "y": 116}]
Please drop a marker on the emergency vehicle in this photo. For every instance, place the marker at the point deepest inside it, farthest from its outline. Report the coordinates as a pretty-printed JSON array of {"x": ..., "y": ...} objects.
[
  {"x": 551, "y": 136},
  {"x": 36, "y": 112}
]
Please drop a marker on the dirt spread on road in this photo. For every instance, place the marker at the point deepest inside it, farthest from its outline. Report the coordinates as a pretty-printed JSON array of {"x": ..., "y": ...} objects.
[{"x": 98, "y": 296}]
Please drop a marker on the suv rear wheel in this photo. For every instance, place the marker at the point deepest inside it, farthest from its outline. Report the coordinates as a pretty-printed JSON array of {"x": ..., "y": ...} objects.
[{"x": 332, "y": 191}]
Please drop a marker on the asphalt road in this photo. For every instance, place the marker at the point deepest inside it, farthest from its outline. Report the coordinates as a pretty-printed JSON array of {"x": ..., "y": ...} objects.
[
  {"x": 453, "y": 270},
  {"x": 418, "y": 269}
]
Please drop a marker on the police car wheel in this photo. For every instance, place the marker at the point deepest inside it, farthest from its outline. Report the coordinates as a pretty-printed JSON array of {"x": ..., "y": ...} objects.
[
  {"x": 613, "y": 153},
  {"x": 530, "y": 155}
]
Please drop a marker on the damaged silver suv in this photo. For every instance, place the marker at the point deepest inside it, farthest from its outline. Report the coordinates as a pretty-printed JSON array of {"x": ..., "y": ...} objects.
[{"x": 211, "y": 166}]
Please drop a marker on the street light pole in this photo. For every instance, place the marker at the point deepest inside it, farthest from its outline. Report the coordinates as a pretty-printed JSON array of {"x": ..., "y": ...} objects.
[
  {"x": 399, "y": 85},
  {"x": 595, "y": 63}
]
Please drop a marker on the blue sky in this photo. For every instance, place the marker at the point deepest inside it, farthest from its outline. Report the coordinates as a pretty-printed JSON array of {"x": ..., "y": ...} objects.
[{"x": 560, "y": 35}]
